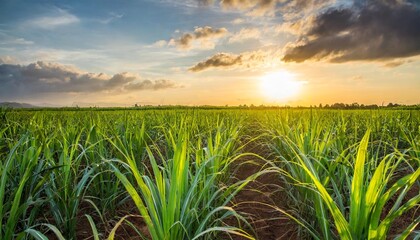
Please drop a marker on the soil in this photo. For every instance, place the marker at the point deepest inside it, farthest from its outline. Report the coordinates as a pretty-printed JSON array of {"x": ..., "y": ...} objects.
[
  {"x": 258, "y": 203},
  {"x": 262, "y": 198},
  {"x": 405, "y": 220}
]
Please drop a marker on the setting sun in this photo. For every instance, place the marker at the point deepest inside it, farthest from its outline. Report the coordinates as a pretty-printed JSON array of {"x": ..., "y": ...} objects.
[{"x": 280, "y": 85}]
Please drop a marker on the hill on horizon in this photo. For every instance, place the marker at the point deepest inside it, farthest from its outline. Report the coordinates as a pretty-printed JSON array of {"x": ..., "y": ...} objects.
[{"x": 17, "y": 105}]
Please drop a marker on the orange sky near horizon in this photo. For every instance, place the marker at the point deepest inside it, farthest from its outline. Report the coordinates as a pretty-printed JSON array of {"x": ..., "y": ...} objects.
[{"x": 196, "y": 52}]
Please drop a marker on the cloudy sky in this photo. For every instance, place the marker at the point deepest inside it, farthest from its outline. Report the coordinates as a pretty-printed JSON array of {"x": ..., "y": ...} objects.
[{"x": 212, "y": 52}]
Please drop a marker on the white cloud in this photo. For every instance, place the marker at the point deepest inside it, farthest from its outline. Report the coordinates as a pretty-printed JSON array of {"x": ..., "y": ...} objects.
[
  {"x": 244, "y": 34},
  {"x": 238, "y": 21},
  {"x": 160, "y": 43},
  {"x": 57, "y": 18},
  {"x": 6, "y": 39},
  {"x": 7, "y": 60},
  {"x": 112, "y": 17}
]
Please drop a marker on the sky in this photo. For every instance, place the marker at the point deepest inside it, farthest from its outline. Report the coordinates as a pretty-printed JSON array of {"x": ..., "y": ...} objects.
[{"x": 209, "y": 52}]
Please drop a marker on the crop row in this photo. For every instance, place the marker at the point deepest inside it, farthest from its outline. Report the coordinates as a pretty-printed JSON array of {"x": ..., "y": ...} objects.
[{"x": 345, "y": 174}]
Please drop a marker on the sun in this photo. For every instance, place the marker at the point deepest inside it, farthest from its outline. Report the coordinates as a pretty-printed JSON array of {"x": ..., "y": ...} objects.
[{"x": 280, "y": 85}]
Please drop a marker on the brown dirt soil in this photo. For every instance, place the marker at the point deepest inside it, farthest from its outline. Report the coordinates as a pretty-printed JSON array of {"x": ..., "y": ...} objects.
[
  {"x": 406, "y": 219},
  {"x": 127, "y": 232},
  {"x": 260, "y": 200},
  {"x": 267, "y": 222},
  {"x": 252, "y": 202}
]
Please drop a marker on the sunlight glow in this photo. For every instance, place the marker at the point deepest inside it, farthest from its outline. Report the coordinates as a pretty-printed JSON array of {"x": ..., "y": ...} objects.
[{"x": 280, "y": 85}]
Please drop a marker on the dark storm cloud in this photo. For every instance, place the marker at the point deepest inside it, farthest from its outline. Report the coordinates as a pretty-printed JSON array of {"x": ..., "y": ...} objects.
[
  {"x": 42, "y": 77},
  {"x": 369, "y": 30}
]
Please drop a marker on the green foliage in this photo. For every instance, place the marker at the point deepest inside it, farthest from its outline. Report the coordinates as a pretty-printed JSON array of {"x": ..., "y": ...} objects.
[
  {"x": 347, "y": 174},
  {"x": 343, "y": 182},
  {"x": 183, "y": 199}
]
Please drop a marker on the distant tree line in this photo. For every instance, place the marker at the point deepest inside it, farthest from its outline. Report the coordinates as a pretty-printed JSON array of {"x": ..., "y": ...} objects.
[
  {"x": 349, "y": 106},
  {"x": 337, "y": 106},
  {"x": 367, "y": 106},
  {"x": 344, "y": 106}
]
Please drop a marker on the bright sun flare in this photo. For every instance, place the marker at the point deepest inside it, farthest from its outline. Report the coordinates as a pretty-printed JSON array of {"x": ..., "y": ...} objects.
[{"x": 280, "y": 85}]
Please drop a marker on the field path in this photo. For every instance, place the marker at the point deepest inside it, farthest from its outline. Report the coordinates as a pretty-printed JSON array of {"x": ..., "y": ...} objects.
[{"x": 268, "y": 223}]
